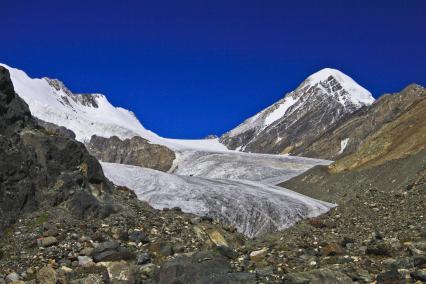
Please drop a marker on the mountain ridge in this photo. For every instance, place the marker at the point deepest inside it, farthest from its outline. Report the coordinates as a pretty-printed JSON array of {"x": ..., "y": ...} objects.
[{"x": 277, "y": 129}]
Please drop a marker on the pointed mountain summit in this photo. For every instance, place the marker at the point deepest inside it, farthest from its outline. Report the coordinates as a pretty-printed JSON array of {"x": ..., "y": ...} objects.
[{"x": 301, "y": 116}]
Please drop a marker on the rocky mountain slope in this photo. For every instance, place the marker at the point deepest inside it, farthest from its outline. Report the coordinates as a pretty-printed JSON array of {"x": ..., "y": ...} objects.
[
  {"x": 37, "y": 166},
  {"x": 404, "y": 135},
  {"x": 302, "y": 116},
  {"x": 351, "y": 134}
]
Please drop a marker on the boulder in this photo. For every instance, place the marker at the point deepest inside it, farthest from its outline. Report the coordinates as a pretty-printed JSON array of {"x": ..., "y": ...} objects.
[
  {"x": 201, "y": 267},
  {"x": 46, "y": 275},
  {"x": 317, "y": 276}
]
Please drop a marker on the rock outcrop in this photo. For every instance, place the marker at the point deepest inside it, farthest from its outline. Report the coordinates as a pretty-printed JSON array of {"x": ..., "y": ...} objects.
[
  {"x": 38, "y": 166},
  {"x": 134, "y": 151}
]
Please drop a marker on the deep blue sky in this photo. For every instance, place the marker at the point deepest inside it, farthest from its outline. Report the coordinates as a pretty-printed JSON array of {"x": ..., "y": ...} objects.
[{"x": 192, "y": 68}]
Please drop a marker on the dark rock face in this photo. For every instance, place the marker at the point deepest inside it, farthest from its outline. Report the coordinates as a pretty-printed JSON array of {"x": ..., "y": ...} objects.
[
  {"x": 14, "y": 112},
  {"x": 362, "y": 124},
  {"x": 55, "y": 129},
  {"x": 20, "y": 175},
  {"x": 37, "y": 165},
  {"x": 135, "y": 151}
]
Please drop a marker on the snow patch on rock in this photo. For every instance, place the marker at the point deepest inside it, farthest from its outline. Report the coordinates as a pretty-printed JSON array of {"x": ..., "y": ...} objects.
[{"x": 343, "y": 144}]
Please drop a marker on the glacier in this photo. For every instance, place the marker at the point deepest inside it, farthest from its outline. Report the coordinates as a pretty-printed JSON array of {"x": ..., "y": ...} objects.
[
  {"x": 263, "y": 168},
  {"x": 253, "y": 208}
]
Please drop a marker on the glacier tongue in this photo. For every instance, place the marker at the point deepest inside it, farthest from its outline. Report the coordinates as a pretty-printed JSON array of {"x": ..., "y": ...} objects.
[
  {"x": 263, "y": 168},
  {"x": 253, "y": 208}
]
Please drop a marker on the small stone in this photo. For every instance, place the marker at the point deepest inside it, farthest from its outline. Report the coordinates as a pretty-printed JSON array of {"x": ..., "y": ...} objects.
[
  {"x": 166, "y": 250},
  {"x": 419, "y": 275},
  {"x": 332, "y": 249},
  {"x": 66, "y": 269},
  {"x": 138, "y": 237},
  {"x": 85, "y": 261},
  {"x": 148, "y": 269},
  {"x": 195, "y": 220},
  {"x": 113, "y": 255},
  {"x": 207, "y": 219},
  {"x": 258, "y": 255},
  {"x": 227, "y": 252},
  {"x": 347, "y": 240},
  {"x": 162, "y": 248},
  {"x": 90, "y": 279},
  {"x": 143, "y": 258},
  {"x": 378, "y": 249},
  {"x": 419, "y": 260},
  {"x": 217, "y": 238},
  {"x": 48, "y": 241},
  {"x": 87, "y": 251},
  {"x": 179, "y": 248},
  {"x": 84, "y": 239},
  {"x": 317, "y": 276},
  {"x": 46, "y": 275},
  {"x": 120, "y": 272},
  {"x": 12, "y": 277}
]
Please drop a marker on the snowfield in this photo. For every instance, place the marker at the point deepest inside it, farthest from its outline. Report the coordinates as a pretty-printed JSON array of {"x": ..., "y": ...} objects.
[
  {"x": 253, "y": 208},
  {"x": 90, "y": 114}
]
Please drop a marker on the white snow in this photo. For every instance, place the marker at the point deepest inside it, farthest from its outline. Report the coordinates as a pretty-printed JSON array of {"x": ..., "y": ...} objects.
[
  {"x": 254, "y": 208},
  {"x": 280, "y": 111},
  {"x": 58, "y": 107},
  {"x": 343, "y": 144},
  {"x": 358, "y": 94}
]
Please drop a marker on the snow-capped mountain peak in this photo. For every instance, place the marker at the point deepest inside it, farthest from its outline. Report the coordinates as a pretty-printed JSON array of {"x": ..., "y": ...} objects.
[
  {"x": 333, "y": 80},
  {"x": 90, "y": 114},
  {"x": 85, "y": 114},
  {"x": 303, "y": 114}
]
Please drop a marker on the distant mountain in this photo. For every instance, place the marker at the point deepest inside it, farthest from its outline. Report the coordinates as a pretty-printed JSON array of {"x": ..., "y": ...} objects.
[
  {"x": 301, "y": 116},
  {"x": 355, "y": 132},
  {"x": 90, "y": 114},
  {"x": 85, "y": 114}
]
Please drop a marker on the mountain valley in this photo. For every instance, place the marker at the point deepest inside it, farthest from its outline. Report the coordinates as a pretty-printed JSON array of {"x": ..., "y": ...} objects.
[{"x": 326, "y": 186}]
